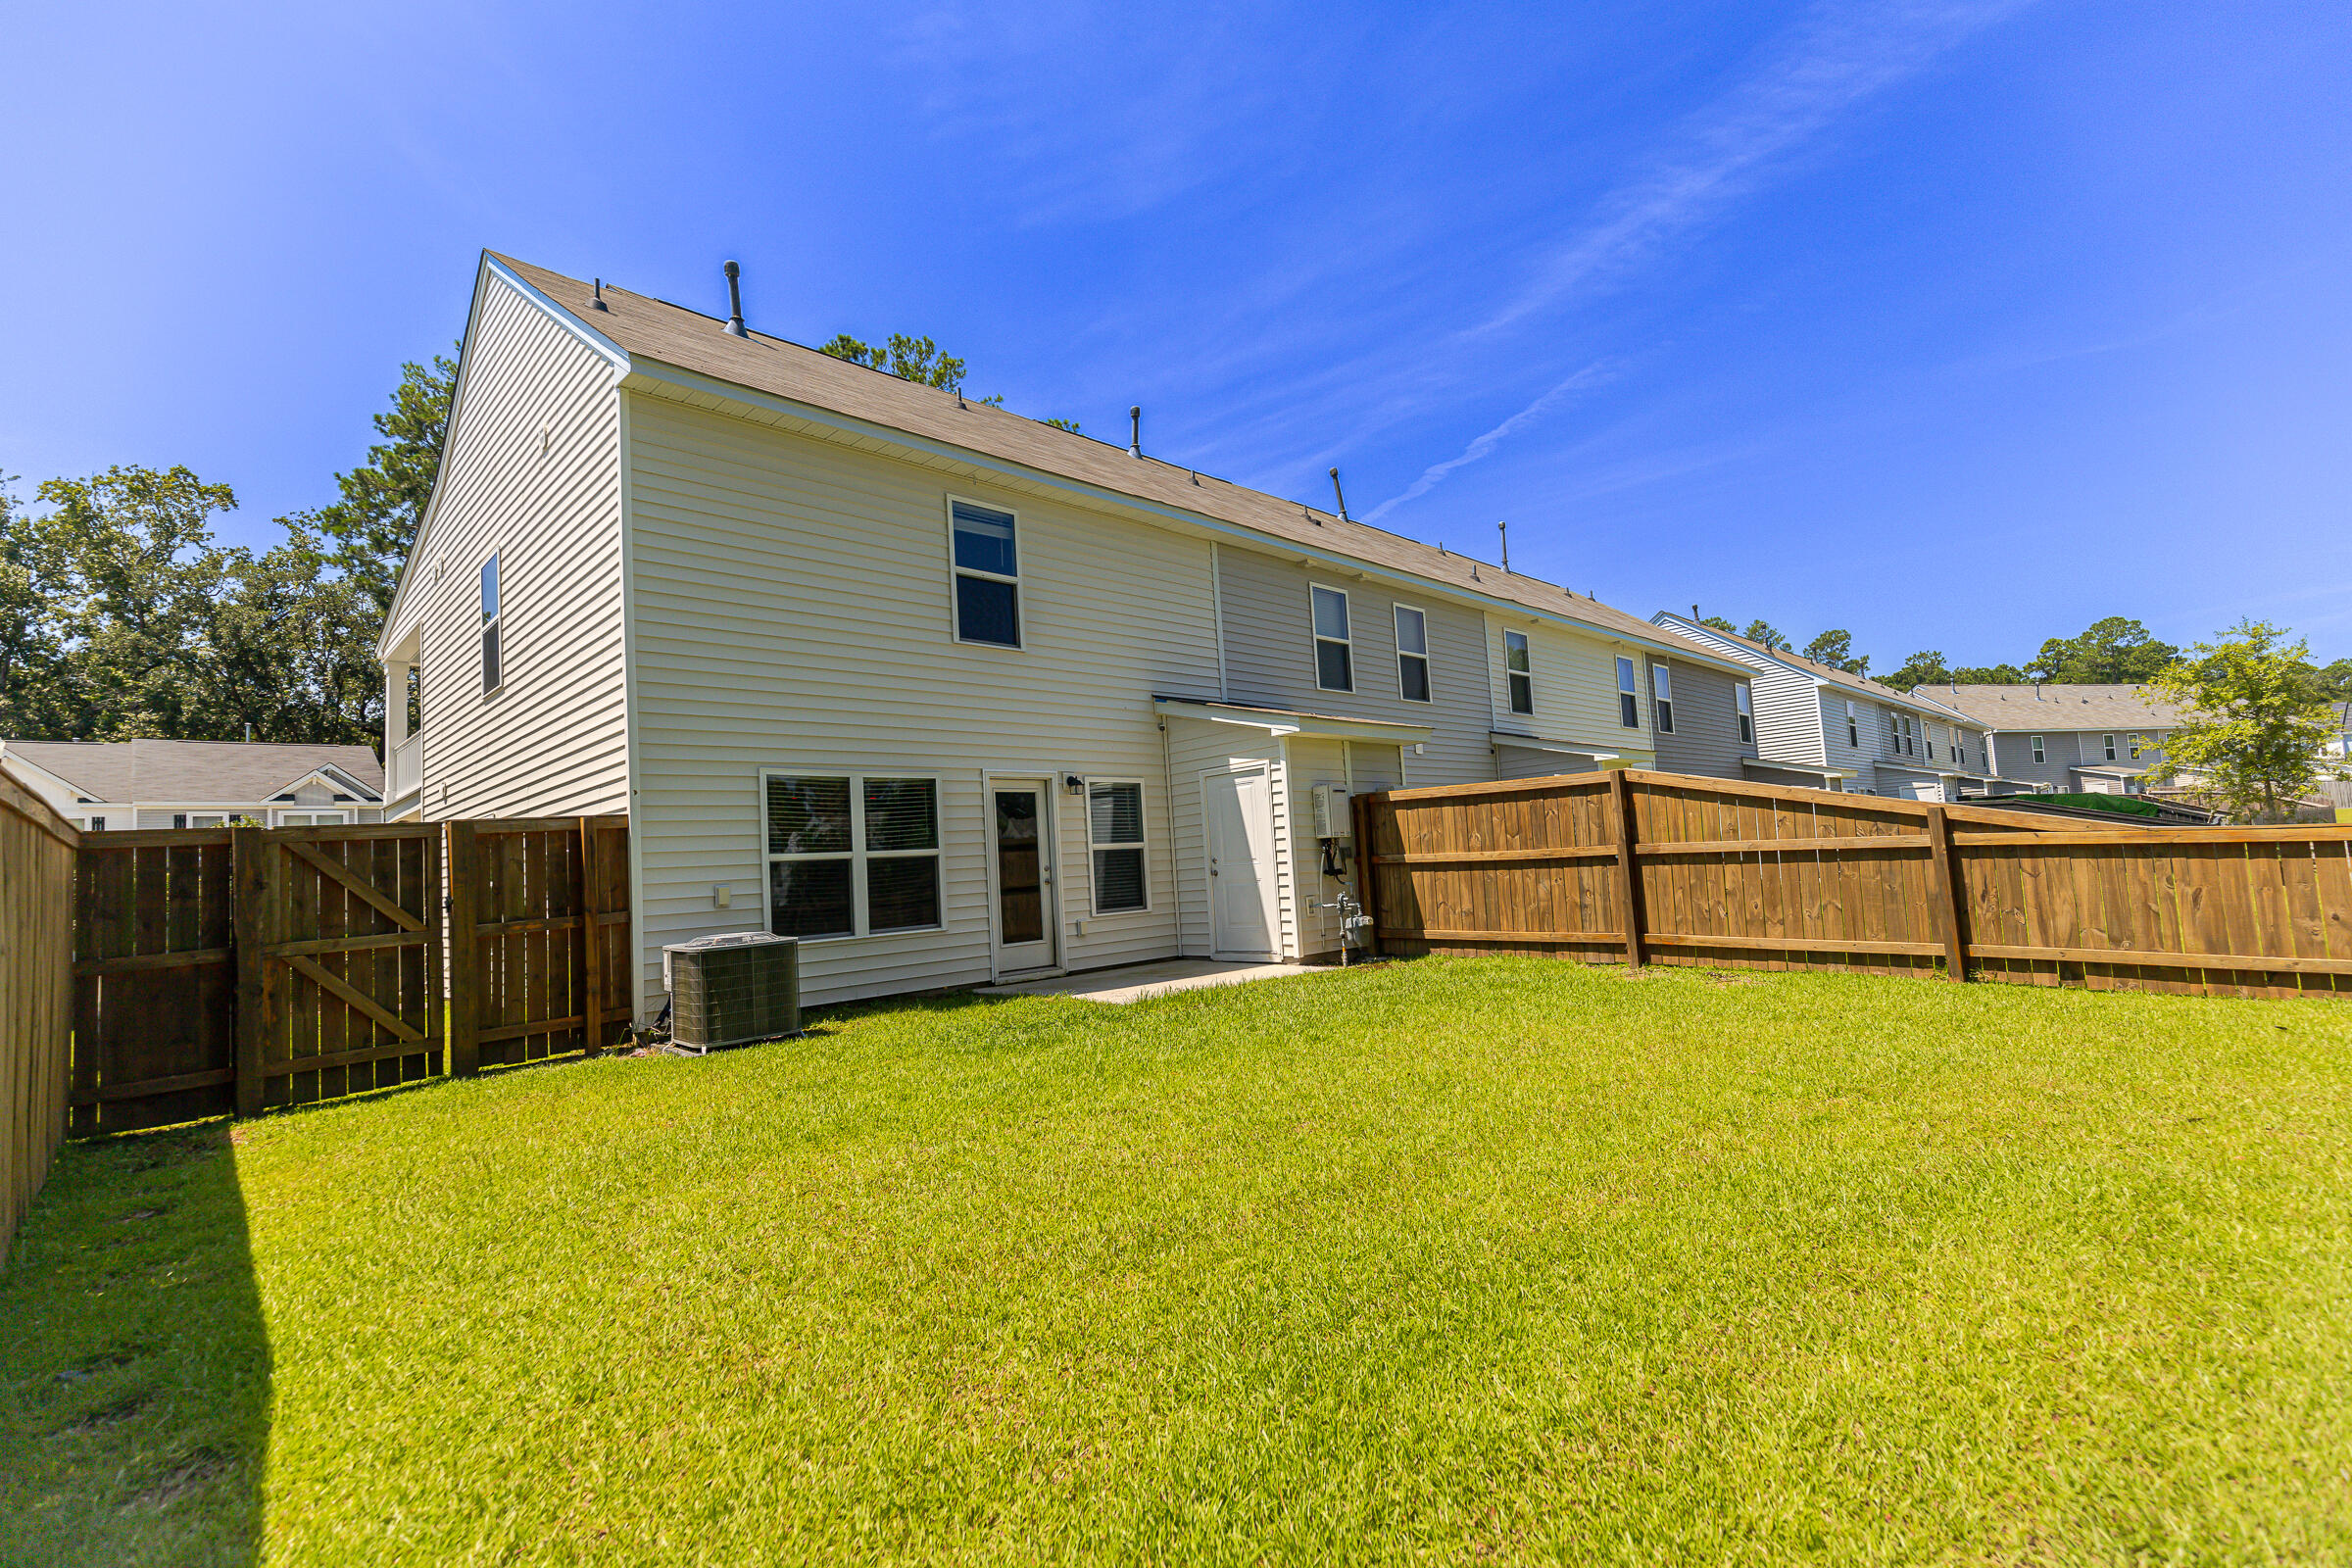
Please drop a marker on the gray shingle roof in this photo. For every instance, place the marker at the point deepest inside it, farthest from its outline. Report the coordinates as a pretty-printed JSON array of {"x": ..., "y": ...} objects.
[
  {"x": 230, "y": 772},
  {"x": 656, "y": 329},
  {"x": 2058, "y": 707}
]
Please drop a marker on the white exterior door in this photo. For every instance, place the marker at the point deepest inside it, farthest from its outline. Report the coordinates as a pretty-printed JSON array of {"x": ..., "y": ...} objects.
[
  {"x": 1021, "y": 845},
  {"x": 1240, "y": 808}
]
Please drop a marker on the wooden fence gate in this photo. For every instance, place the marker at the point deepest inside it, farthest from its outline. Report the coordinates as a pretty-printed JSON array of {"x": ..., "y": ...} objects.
[{"x": 222, "y": 969}]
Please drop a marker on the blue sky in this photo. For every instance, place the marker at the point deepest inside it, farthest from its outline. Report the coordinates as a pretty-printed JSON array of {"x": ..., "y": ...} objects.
[{"x": 1956, "y": 325}]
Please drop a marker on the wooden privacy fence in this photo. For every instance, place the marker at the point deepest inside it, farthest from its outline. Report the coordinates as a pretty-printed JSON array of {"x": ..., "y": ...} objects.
[
  {"x": 1669, "y": 869},
  {"x": 36, "y": 993},
  {"x": 235, "y": 969}
]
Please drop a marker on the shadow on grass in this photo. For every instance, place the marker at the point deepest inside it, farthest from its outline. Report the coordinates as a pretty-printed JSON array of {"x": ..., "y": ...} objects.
[{"x": 134, "y": 1370}]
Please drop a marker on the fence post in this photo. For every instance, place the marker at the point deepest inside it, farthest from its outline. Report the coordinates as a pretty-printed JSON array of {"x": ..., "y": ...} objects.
[
  {"x": 250, "y": 929},
  {"x": 1946, "y": 892},
  {"x": 592, "y": 943},
  {"x": 1367, "y": 880},
  {"x": 464, "y": 950},
  {"x": 1629, "y": 875}
]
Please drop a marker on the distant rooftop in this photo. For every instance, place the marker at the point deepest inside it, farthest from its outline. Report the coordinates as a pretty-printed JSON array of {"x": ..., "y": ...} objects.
[{"x": 230, "y": 772}]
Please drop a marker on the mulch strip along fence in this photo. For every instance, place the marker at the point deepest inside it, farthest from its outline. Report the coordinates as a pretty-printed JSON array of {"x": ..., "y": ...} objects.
[
  {"x": 36, "y": 993},
  {"x": 218, "y": 970},
  {"x": 1718, "y": 873}
]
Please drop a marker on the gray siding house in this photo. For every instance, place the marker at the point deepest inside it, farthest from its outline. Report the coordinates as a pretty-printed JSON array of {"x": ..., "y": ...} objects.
[
  {"x": 946, "y": 693},
  {"x": 2093, "y": 740},
  {"x": 108, "y": 786}
]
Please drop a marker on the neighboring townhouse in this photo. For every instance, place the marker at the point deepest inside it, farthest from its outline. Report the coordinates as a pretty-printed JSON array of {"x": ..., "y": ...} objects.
[
  {"x": 2091, "y": 740},
  {"x": 948, "y": 694},
  {"x": 1820, "y": 727},
  {"x": 107, "y": 786}
]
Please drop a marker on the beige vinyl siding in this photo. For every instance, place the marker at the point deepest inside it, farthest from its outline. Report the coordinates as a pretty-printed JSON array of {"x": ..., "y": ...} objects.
[
  {"x": 1270, "y": 659},
  {"x": 1576, "y": 688},
  {"x": 1707, "y": 724},
  {"x": 1789, "y": 719},
  {"x": 1354, "y": 766},
  {"x": 553, "y": 740},
  {"x": 793, "y": 610},
  {"x": 1859, "y": 758},
  {"x": 1193, "y": 748}
]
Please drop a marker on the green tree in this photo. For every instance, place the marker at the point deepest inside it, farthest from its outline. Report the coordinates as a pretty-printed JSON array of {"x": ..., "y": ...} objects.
[
  {"x": 1989, "y": 675},
  {"x": 1070, "y": 425},
  {"x": 1835, "y": 649},
  {"x": 909, "y": 359},
  {"x": 289, "y": 655},
  {"x": 1765, "y": 634},
  {"x": 1920, "y": 669},
  {"x": 33, "y": 630},
  {"x": 2335, "y": 681},
  {"x": 1721, "y": 623},
  {"x": 2114, "y": 650},
  {"x": 369, "y": 529},
  {"x": 2255, "y": 719}
]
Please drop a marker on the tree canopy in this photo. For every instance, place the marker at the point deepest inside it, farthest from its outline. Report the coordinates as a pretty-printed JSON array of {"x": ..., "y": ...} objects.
[
  {"x": 369, "y": 529},
  {"x": 2114, "y": 651},
  {"x": 1835, "y": 649},
  {"x": 2255, "y": 720}
]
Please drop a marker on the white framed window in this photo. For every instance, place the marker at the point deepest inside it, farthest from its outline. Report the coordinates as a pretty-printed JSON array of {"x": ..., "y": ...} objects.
[
  {"x": 308, "y": 819},
  {"x": 2107, "y": 742},
  {"x": 1854, "y": 729},
  {"x": 1335, "y": 650},
  {"x": 1910, "y": 736},
  {"x": 1746, "y": 704},
  {"x": 1894, "y": 736},
  {"x": 95, "y": 824},
  {"x": 1518, "y": 672},
  {"x": 2037, "y": 752},
  {"x": 1661, "y": 697},
  {"x": 1412, "y": 654},
  {"x": 985, "y": 566},
  {"x": 851, "y": 854},
  {"x": 2137, "y": 741},
  {"x": 494, "y": 671},
  {"x": 1629, "y": 696},
  {"x": 1114, "y": 838}
]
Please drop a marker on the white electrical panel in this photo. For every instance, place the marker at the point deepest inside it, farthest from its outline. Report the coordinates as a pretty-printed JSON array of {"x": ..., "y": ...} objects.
[{"x": 1330, "y": 811}]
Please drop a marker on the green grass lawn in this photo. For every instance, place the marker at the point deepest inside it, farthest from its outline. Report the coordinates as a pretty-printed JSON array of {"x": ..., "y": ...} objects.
[{"x": 1455, "y": 1261}]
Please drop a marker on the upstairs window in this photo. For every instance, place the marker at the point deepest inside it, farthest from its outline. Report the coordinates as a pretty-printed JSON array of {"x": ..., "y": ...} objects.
[
  {"x": 1628, "y": 702},
  {"x": 1335, "y": 654},
  {"x": 1518, "y": 672},
  {"x": 2037, "y": 752},
  {"x": 1114, "y": 832},
  {"x": 1747, "y": 714},
  {"x": 852, "y": 854},
  {"x": 988, "y": 575},
  {"x": 1661, "y": 696},
  {"x": 1412, "y": 654},
  {"x": 494, "y": 672},
  {"x": 1894, "y": 736},
  {"x": 1910, "y": 736},
  {"x": 2136, "y": 742},
  {"x": 1854, "y": 728},
  {"x": 2108, "y": 742}
]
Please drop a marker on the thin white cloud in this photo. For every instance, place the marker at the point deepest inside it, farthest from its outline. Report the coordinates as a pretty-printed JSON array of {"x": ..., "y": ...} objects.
[
  {"x": 1843, "y": 55},
  {"x": 1436, "y": 473}
]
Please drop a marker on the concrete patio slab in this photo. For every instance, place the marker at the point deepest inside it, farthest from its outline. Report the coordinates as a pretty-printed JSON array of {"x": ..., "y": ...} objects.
[{"x": 1135, "y": 981}]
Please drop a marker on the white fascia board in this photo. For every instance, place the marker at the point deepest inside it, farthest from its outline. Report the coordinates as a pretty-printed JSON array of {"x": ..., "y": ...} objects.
[
  {"x": 646, "y": 374},
  {"x": 1529, "y": 743},
  {"x": 395, "y": 626},
  {"x": 1317, "y": 726}
]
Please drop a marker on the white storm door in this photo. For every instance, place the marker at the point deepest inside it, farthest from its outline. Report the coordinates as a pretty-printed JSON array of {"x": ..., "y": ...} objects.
[
  {"x": 1021, "y": 849},
  {"x": 1240, "y": 808}
]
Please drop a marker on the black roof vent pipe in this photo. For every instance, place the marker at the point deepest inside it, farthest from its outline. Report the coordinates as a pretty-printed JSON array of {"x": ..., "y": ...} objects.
[
  {"x": 735, "y": 301},
  {"x": 1134, "y": 431},
  {"x": 1341, "y": 496},
  {"x": 596, "y": 301}
]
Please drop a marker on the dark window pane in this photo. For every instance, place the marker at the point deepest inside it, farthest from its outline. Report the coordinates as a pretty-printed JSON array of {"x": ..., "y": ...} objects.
[
  {"x": 1523, "y": 695},
  {"x": 492, "y": 672},
  {"x": 1118, "y": 879},
  {"x": 1515, "y": 651},
  {"x": 902, "y": 892},
  {"x": 1629, "y": 712},
  {"x": 1665, "y": 718},
  {"x": 984, "y": 539},
  {"x": 900, "y": 813},
  {"x": 1118, "y": 812},
  {"x": 1332, "y": 672},
  {"x": 1020, "y": 886},
  {"x": 810, "y": 898},
  {"x": 987, "y": 611},
  {"x": 808, "y": 816},
  {"x": 1416, "y": 678}
]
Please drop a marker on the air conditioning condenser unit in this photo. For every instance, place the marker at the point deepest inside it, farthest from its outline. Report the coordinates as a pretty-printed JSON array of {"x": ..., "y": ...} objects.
[{"x": 732, "y": 989}]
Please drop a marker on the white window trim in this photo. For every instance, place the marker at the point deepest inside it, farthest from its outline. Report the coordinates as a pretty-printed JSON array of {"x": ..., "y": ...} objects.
[
  {"x": 496, "y": 621},
  {"x": 1428, "y": 675},
  {"x": 1093, "y": 896},
  {"x": 2039, "y": 753},
  {"x": 2139, "y": 744},
  {"x": 1528, "y": 642},
  {"x": 2107, "y": 744},
  {"x": 1021, "y": 589},
  {"x": 1662, "y": 699},
  {"x": 1853, "y": 727},
  {"x": 1629, "y": 685},
  {"x": 856, "y": 853},
  {"x": 1744, "y": 704},
  {"x": 1315, "y": 632}
]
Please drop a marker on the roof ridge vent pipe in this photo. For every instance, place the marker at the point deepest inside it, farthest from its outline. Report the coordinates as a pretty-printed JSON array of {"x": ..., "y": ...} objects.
[
  {"x": 1134, "y": 431},
  {"x": 596, "y": 299},
  {"x": 1339, "y": 496},
  {"x": 1502, "y": 531},
  {"x": 734, "y": 326}
]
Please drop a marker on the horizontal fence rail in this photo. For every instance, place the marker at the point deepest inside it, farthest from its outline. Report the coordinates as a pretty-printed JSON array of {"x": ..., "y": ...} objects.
[
  {"x": 219, "y": 969},
  {"x": 37, "y": 850},
  {"x": 1668, "y": 868}
]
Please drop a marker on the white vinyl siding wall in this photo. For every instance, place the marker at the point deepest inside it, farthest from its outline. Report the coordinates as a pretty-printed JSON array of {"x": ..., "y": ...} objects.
[
  {"x": 532, "y": 472},
  {"x": 749, "y": 542},
  {"x": 1789, "y": 716},
  {"x": 1575, "y": 690}
]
